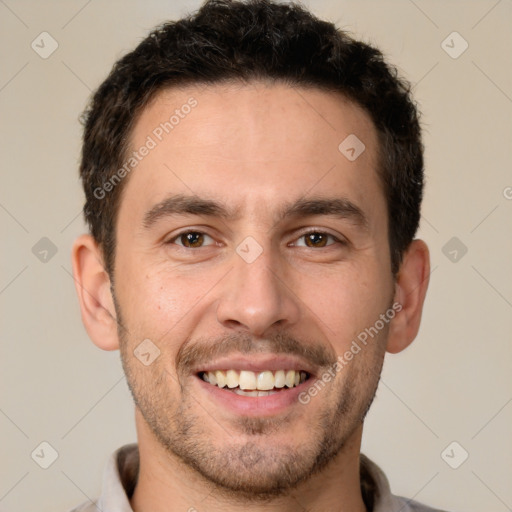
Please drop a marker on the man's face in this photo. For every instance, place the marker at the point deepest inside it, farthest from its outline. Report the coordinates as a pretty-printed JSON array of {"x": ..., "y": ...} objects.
[{"x": 248, "y": 243}]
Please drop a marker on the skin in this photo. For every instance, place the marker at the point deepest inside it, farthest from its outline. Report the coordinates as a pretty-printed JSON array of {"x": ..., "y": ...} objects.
[{"x": 255, "y": 148}]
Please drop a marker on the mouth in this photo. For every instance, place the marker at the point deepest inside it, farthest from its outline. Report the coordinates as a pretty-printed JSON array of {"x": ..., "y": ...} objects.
[
  {"x": 260, "y": 385},
  {"x": 255, "y": 384}
]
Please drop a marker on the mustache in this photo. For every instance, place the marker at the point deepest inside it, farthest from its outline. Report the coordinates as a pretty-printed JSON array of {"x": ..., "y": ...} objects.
[{"x": 195, "y": 353}]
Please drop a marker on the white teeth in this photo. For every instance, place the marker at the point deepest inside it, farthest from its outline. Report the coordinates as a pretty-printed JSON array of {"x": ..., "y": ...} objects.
[
  {"x": 289, "y": 379},
  {"x": 266, "y": 393},
  {"x": 263, "y": 382},
  {"x": 221, "y": 378},
  {"x": 254, "y": 393},
  {"x": 247, "y": 380},
  {"x": 231, "y": 379},
  {"x": 279, "y": 379},
  {"x": 246, "y": 393}
]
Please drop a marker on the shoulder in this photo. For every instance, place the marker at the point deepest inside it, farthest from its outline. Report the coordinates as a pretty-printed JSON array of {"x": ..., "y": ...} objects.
[
  {"x": 376, "y": 489},
  {"x": 119, "y": 479}
]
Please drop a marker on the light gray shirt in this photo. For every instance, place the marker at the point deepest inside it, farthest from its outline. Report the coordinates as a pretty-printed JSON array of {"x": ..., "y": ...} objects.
[{"x": 121, "y": 471}]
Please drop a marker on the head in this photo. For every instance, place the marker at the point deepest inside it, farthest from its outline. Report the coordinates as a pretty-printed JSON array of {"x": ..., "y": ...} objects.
[{"x": 253, "y": 180}]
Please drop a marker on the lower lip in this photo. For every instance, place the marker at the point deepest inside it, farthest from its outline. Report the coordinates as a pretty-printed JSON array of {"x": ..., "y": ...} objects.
[{"x": 256, "y": 406}]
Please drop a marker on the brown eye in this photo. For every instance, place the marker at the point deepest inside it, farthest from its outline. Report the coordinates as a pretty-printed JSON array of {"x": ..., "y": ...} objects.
[
  {"x": 316, "y": 239},
  {"x": 192, "y": 239}
]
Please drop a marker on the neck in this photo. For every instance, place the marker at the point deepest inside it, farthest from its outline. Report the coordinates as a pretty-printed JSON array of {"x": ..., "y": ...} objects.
[{"x": 165, "y": 483}]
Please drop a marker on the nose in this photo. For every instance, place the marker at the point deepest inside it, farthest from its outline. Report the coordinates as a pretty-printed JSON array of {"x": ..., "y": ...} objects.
[{"x": 257, "y": 296}]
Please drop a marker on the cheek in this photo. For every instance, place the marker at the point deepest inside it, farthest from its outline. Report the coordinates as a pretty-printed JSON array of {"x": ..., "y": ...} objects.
[
  {"x": 346, "y": 302},
  {"x": 159, "y": 300}
]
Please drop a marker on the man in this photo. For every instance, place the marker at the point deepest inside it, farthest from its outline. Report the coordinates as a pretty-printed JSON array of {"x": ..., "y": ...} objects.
[{"x": 253, "y": 181}]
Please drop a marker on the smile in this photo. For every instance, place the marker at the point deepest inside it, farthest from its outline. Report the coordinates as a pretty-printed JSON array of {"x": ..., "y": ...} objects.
[
  {"x": 255, "y": 385},
  {"x": 249, "y": 383}
]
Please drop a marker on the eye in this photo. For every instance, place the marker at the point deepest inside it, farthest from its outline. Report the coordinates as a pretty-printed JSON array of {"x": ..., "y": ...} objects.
[
  {"x": 315, "y": 239},
  {"x": 192, "y": 239}
]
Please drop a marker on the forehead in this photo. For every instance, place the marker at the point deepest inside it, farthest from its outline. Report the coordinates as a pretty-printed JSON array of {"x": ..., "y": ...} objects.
[
  {"x": 258, "y": 140},
  {"x": 253, "y": 112}
]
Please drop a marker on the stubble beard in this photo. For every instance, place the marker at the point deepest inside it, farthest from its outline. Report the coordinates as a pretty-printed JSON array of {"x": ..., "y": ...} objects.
[{"x": 247, "y": 467}]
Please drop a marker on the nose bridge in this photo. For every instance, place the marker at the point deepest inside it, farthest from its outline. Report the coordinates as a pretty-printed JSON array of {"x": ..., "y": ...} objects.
[
  {"x": 257, "y": 272},
  {"x": 255, "y": 298}
]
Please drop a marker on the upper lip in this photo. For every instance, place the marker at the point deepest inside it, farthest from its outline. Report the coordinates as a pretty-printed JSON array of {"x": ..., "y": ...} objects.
[{"x": 258, "y": 363}]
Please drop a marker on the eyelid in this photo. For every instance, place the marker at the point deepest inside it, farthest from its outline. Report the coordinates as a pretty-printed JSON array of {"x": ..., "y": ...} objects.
[
  {"x": 174, "y": 237},
  {"x": 339, "y": 239}
]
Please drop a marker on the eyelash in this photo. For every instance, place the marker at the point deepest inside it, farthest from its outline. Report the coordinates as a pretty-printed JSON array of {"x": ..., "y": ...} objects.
[
  {"x": 304, "y": 234},
  {"x": 319, "y": 232}
]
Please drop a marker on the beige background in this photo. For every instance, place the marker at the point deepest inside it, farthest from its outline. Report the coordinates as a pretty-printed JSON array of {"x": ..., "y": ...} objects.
[{"x": 453, "y": 384}]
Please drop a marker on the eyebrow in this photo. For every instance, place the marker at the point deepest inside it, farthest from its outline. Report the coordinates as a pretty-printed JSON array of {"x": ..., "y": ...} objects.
[
  {"x": 341, "y": 208},
  {"x": 194, "y": 205},
  {"x": 187, "y": 205}
]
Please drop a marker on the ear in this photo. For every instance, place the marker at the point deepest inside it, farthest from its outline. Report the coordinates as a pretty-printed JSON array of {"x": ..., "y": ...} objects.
[
  {"x": 92, "y": 284},
  {"x": 410, "y": 290}
]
